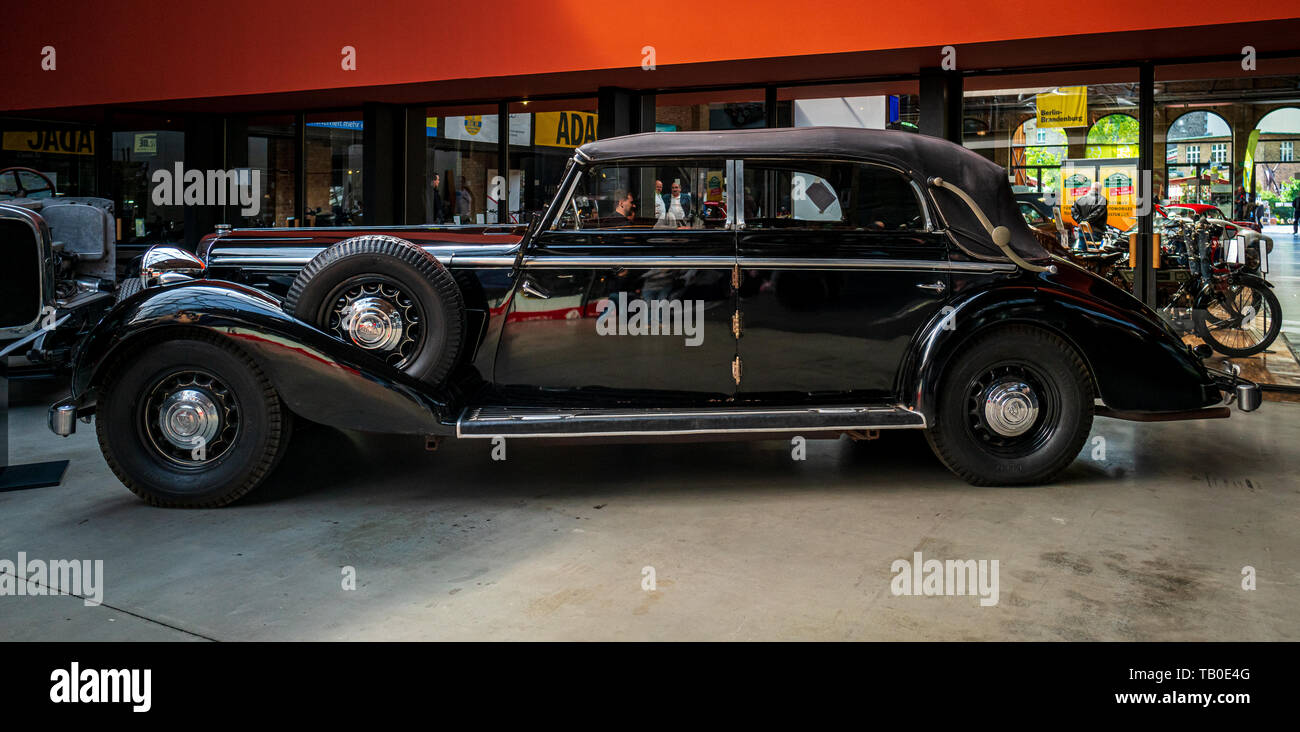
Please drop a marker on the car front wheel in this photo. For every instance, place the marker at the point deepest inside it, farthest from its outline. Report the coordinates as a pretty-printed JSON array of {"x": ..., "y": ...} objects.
[
  {"x": 191, "y": 423},
  {"x": 1015, "y": 407}
]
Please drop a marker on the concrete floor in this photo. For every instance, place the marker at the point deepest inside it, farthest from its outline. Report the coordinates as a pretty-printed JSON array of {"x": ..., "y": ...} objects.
[{"x": 747, "y": 544}]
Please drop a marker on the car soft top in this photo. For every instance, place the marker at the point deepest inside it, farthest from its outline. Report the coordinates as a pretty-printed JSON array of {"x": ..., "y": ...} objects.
[{"x": 924, "y": 156}]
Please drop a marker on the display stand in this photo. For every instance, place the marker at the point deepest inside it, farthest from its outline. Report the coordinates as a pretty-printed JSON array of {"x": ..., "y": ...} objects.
[{"x": 31, "y": 475}]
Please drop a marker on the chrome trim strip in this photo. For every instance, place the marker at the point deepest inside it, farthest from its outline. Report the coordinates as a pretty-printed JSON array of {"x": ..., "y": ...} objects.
[
  {"x": 562, "y": 415},
  {"x": 735, "y": 196},
  {"x": 300, "y": 256},
  {"x": 649, "y": 262},
  {"x": 559, "y": 261}
]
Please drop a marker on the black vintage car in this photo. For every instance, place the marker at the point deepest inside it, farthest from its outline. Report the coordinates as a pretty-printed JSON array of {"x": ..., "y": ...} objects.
[
  {"x": 57, "y": 272},
  {"x": 857, "y": 281}
]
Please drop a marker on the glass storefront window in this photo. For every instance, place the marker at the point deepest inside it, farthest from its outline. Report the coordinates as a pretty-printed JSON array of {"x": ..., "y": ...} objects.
[
  {"x": 333, "y": 161},
  {"x": 874, "y": 106},
  {"x": 729, "y": 110},
  {"x": 1057, "y": 142},
  {"x": 137, "y": 154},
  {"x": 270, "y": 152},
  {"x": 460, "y": 159},
  {"x": 63, "y": 154},
  {"x": 554, "y": 129}
]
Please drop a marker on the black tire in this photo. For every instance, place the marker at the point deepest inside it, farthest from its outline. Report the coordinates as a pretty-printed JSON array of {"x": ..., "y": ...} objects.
[
  {"x": 127, "y": 288},
  {"x": 1214, "y": 324},
  {"x": 426, "y": 295},
  {"x": 970, "y": 445},
  {"x": 251, "y": 438}
]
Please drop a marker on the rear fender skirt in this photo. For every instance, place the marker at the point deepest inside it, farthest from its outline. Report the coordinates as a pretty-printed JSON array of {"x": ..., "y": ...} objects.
[
  {"x": 1136, "y": 365},
  {"x": 317, "y": 375}
]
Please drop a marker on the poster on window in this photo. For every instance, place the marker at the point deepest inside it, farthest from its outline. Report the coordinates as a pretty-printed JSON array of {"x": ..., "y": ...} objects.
[
  {"x": 483, "y": 128},
  {"x": 1063, "y": 107}
]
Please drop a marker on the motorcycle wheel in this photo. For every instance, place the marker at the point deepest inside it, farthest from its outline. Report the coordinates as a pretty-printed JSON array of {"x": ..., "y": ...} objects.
[{"x": 1243, "y": 321}]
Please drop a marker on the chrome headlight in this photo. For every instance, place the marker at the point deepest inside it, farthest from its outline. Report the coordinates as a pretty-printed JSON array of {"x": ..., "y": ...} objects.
[{"x": 162, "y": 265}]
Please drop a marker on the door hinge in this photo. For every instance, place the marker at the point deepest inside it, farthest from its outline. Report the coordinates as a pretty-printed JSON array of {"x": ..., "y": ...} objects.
[
  {"x": 735, "y": 324},
  {"x": 735, "y": 370},
  {"x": 735, "y": 276}
]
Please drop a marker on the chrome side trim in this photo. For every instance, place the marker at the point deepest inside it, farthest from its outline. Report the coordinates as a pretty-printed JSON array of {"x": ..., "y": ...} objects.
[
  {"x": 490, "y": 422},
  {"x": 585, "y": 262},
  {"x": 300, "y": 256},
  {"x": 811, "y": 263}
]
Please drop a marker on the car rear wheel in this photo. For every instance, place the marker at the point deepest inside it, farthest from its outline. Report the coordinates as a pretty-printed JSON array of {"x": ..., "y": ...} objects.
[
  {"x": 191, "y": 423},
  {"x": 386, "y": 296},
  {"x": 1014, "y": 408}
]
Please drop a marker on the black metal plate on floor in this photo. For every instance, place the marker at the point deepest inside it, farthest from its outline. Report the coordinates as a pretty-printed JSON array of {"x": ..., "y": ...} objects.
[{"x": 32, "y": 475}]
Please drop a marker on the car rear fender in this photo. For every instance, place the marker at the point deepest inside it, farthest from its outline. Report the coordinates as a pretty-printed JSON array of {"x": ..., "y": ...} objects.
[{"x": 1136, "y": 365}]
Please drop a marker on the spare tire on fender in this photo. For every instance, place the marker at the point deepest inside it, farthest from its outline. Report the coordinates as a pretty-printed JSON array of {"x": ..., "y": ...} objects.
[{"x": 387, "y": 296}]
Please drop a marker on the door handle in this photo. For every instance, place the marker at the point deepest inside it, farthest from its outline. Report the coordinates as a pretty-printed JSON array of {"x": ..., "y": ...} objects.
[
  {"x": 531, "y": 288},
  {"x": 934, "y": 286}
]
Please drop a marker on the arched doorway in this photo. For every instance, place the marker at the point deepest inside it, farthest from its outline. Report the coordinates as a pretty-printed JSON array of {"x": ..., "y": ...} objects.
[
  {"x": 1198, "y": 160},
  {"x": 1036, "y": 156},
  {"x": 1276, "y": 170},
  {"x": 1113, "y": 136}
]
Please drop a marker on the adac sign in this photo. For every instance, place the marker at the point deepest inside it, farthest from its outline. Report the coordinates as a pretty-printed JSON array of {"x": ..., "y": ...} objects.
[
  {"x": 62, "y": 142},
  {"x": 564, "y": 129}
]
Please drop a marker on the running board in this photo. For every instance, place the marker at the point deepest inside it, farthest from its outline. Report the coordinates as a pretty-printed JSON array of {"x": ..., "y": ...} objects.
[{"x": 546, "y": 422}]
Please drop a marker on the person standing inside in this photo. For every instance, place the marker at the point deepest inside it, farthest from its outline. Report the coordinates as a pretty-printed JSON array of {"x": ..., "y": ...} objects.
[
  {"x": 1295, "y": 210},
  {"x": 464, "y": 201},
  {"x": 1239, "y": 203},
  {"x": 434, "y": 210},
  {"x": 1092, "y": 209},
  {"x": 678, "y": 205}
]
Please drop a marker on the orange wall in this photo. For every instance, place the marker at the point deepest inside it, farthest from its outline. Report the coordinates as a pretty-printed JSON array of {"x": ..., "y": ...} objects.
[{"x": 140, "y": 50}]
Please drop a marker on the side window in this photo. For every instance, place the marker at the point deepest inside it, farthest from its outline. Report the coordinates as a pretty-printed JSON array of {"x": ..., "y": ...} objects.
[
  {"x": 688, "y": 194},
  {"x": 829, "y": 195},
  {"x": 1031, "y": 214}
]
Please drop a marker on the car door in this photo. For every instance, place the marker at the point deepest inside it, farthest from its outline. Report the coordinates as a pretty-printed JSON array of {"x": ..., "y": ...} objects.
[
  {"x": 839, "y": 271},
  {"x": 623, "y": 299}
]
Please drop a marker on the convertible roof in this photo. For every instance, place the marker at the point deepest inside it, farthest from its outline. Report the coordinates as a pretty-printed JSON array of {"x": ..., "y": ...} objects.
[
  {"x": 904, "y": 148},
  {"x": 925, "y": 156}
]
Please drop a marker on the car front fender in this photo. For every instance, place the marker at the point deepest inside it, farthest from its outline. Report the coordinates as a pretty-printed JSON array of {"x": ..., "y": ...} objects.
[{"x": 317, "y": 375}]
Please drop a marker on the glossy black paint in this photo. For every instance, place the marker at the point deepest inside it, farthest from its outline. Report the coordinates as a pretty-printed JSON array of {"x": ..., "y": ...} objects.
[
  {"x": 824, "y": 317},
  {"x": 1138, "y": 363},
  {"x": 553, "y": 347},
  {"x": 838, "y": 333},
  {"x": 320, "y": 377}
]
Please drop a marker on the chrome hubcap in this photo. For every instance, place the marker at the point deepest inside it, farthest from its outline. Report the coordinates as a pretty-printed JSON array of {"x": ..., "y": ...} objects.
[
  {"x": 372, "y": 323},
  {"x": 378, "y": 316},
  {"x": 188, "y": 418},
  {"x": 1010, "y": 408}
]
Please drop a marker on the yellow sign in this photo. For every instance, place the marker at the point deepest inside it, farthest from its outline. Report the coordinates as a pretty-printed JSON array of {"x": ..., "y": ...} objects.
[
  {"x": 1065, "y": 107},
  {"x": 1119, "y": 186},
  {"x": 564, "y": 129},
  {"x": 61, "y": 142}
]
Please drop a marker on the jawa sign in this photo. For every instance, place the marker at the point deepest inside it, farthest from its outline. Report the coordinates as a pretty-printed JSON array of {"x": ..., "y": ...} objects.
[
  {"x": 63, "y": 142},
  {"x": 564, "y": 129}
]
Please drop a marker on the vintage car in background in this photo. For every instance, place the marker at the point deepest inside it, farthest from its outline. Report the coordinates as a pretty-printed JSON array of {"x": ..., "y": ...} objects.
[
  {"x": 58, "y": 275},
  {"x": 857, "y": 281}
]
